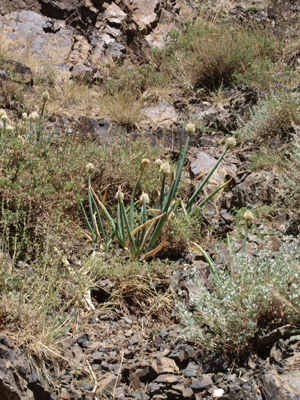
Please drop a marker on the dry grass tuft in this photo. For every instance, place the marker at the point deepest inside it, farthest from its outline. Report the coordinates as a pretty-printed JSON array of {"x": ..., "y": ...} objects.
[{"x": 123, "y": 108}]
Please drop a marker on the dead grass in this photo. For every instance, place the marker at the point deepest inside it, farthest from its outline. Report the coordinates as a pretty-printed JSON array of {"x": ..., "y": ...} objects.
[{"x": 123, "y": 108}]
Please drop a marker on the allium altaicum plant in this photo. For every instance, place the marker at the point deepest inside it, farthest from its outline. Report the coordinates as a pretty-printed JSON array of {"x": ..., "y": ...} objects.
[
  {"x": 266, "y": 288},
  {"x": 132, "y": 239},
  {"x": 144, "y": 237}
]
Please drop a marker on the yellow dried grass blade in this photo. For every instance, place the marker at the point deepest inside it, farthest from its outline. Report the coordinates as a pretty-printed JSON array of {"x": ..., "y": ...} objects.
[
  {"x": 161, "y": 245},
  {"x": 142, "y": 226}
]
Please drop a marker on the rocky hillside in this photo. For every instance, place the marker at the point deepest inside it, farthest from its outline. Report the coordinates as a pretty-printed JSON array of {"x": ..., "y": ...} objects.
[{"x": 119, "y": 277}]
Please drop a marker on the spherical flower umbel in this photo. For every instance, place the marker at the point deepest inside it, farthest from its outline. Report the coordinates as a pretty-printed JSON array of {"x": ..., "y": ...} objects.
[
  {"x": 248, "y": 216},
  {"x": 190, "y": 128},
  {"x": 90, "y": 167},
  {"x": 24, "y": 116},
  {"x": 4, "y": 117},
  {"x": 45, "y": 97},
  {"x": 165, "y": 168},
  {"x": 2, "y": 112},
  {"x": 9, "y": 129},
  {"x": 145, "y": 197},
  {"x": 34, "y": 116},
  {"x": 158, "y": 162},
  {"x": 145, "y": 161},
  {"x": 231, "y": 142}
]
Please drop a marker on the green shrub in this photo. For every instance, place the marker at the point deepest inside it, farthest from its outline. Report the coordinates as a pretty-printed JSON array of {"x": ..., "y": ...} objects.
[{"x": 263, "y": 291}]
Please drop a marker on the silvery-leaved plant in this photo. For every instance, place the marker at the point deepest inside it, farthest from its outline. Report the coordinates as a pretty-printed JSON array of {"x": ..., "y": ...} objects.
[{"x": 227, "y": 314}]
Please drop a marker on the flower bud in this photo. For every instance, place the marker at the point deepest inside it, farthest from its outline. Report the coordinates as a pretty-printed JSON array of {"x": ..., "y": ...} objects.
[
  {"x": 145, "y": 162},
  {"x": 231, "y": 142},
  {"x": 145, "y": 197},
  {"x": 190, "y": 128},
  {"x": 34, "y": 116},
  {"x": 2, "y": 112},
  {"x": 158, "y": 162},
  {"x": 4, "y": 117},
  {"x": 24, "y": 116},
  {"x": 90, "y": 167},
  {"x": 121, "y": 195},
  {"x": 165, "y": 168},
  {"x": 9, "y": 129},
  {"x": 45, "y": 97},
  {"x": 248, "y": 216}
]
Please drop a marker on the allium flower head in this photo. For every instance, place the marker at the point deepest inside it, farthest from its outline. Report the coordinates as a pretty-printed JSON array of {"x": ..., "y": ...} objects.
[
  {"x": 9, "y": 129},
  {"x": 231, "y": 142},
  {"x": 34, "y": 116},
  {"x": 45, "y": 97},
  {"x": 2, "y": 112},
  {"x": 190, "y": 128},
  {"x": 121, "y": 195},
  {"x": 165, "y": 168},
  {"x": 145, "y": 197},
  {"x": 248, "y": 216},
  {"x": 145, "y": 161},
  {"x": 24, "y": 116},
  {"x": 158, "y": 162},
  {"x": 4, "y": 117},
  {"x": 90, "y": 167}
]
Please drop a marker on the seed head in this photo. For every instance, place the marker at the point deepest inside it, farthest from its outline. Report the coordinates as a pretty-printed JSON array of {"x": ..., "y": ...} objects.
[
  {"x": 145, "y": 162},
  {"x": 121, "y": 195},
  {"x": 34, "y": 116},
  {"x": 165, "y": 168},
  {"x": 158, "y": 162},
  {"x": 9, "y": 129},
  {"x": 45, "y": 97},
  {"x": 2, "y": 112},
  {"x": 190, "y": 128},
  {"x": 4, "y": 117},
  {"x": 90, "y": 167},
  {"x": 145, "y": 197},
  {"x": 231, "y": 142},
  {"x": 248, "y": 216},
  {"x": 24, "y": 116}
]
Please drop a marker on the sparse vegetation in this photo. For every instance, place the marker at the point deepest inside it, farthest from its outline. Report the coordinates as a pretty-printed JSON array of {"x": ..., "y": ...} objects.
[
  {"x": 254, "y": 293},
  {"x": 63, "y": 228}
]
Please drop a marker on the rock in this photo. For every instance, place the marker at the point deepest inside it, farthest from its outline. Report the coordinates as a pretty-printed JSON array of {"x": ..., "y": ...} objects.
[
  {"x": 203, "y": 382},
  {"x": 81, "y": 72},
  {"x": 114, "y": 15},
  {"x": 169, "y": 379},
  {"x": 13, "y": 370},
  {"x": 145, "y": 14},
  {"x": 166, "y": 366},
  {"x": 258, "y": 187},
  {"x": 202, "y": 163},
  {"x": 162, "y": 115},
  {"x": 19, "y": 73},
  {"x": 106, "y": 385},
  {"x": 285, "y": 386},
  {"x": 192, "y": 370}
]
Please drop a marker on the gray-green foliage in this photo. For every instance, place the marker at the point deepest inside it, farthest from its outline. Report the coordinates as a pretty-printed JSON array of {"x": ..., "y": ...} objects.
[
  {"x": 275, "y": 113},
  {"x": 259, "y": 289},
  {"x": 290, "y": 178}
]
